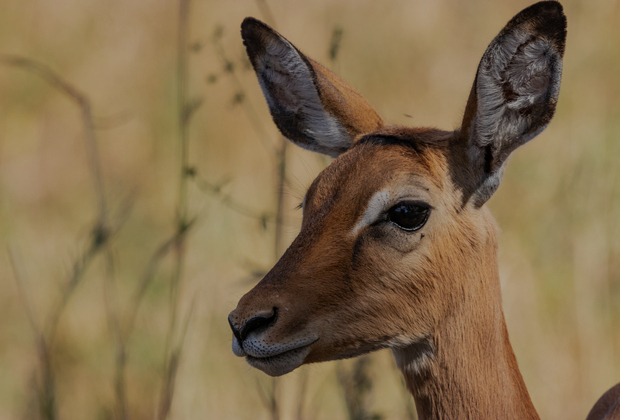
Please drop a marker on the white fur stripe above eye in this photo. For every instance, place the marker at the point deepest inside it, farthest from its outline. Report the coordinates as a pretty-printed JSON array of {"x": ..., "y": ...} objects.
[{"x": 375, "y": 207}]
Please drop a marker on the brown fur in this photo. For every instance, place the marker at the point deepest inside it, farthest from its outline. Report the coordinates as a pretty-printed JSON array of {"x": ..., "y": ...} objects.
[
  {"x": 347, "y": 286},
  {"x": 336, "y": 95},
  {"x": 360, "y": 297}
]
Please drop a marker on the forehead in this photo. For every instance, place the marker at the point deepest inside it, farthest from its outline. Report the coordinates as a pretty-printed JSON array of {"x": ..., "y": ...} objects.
[{"x": 379, "y": 160}]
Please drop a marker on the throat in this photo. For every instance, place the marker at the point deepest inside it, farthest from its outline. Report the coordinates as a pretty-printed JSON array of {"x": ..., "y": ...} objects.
[{"x": 458, "y": 376}]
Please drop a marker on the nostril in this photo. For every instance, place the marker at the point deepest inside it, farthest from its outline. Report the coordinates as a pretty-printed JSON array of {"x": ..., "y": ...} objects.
[
  {"x": 235, "y": 330},
  {"x": 256, "y": 323}
]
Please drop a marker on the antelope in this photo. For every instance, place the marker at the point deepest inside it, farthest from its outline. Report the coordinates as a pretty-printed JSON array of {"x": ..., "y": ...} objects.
[{"x": 397, "y": 248}]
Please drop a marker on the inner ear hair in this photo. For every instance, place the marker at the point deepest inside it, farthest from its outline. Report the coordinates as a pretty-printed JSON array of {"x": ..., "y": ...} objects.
[
  {"x": 310, "y": 105},
  {"x": 515, "y": 92}
]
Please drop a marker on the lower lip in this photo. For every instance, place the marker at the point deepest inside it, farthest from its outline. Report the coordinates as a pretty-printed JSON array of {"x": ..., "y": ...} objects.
[
  {"x": 274, "y": 358},
  {"x": 280, "y": 361}
]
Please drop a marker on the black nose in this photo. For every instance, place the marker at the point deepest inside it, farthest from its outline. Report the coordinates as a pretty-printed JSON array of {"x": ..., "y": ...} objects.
[{"x": 261, "y": 321}]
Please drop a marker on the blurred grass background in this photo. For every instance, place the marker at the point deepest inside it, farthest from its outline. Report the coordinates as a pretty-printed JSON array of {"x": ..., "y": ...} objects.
[{"x": 559, "y": 206}]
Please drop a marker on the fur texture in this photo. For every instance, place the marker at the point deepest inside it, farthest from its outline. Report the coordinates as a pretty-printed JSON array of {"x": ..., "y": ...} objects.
[
  {"x": 352, "y": 281},
  {"x": 304, "y": 97},
  {"x": 515, "y": 92}
]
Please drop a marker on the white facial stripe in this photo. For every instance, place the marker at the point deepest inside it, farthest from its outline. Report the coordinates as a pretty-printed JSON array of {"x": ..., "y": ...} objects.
[{"x": 375, "y": 207}]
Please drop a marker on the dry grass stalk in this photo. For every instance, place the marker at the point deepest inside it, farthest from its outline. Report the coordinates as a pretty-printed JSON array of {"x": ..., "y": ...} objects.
[
  {"x": 101, "y": 233},
  {"x": 356, "y": 385}
]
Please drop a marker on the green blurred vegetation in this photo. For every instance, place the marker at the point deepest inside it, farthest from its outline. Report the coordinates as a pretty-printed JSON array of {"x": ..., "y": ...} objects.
[{"x": 558, "y": 207}]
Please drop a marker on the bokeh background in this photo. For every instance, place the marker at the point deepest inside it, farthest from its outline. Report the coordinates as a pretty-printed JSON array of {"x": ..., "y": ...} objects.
[{"x": 114, "y": 289}]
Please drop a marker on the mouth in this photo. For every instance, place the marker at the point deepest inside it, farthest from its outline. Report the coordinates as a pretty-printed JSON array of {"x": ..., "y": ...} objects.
[
  {"x": 281, "y": 363},
  {"x": 274, "y": 360}
]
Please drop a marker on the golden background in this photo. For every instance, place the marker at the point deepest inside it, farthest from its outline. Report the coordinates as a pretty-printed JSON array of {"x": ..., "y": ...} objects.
[{"x": 558, "y": 207}]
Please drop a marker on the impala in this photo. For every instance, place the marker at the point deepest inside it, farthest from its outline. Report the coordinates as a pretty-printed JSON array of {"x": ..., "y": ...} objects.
[{"x": 397, "y": 248}]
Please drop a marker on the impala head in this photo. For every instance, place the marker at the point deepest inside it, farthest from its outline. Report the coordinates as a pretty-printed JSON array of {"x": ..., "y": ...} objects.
[{"x": 395, "y": 237}]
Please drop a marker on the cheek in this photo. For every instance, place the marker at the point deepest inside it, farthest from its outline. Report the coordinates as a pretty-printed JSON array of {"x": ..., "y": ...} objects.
[
  {"x": 386, "y": 247},
  {"x": 395, "y": 269},
  {"x": 406, "y": 242},
  {"x": 384, "y": 293}
]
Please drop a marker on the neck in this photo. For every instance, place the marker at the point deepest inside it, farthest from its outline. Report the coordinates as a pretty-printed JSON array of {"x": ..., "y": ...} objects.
[{"x": 466, "y": 370}]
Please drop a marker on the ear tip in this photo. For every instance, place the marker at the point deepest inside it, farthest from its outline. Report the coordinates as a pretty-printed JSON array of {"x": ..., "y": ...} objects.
[
  {"x": 554, "y": 21},
  {"x": 545, "y": 18},
  {"x": 249, "y": 21},
  {"x": 253, "y": 29},
  {"x": 553, "y": 25},
  {"x": 254, "y": 33},
  {"x": 549, "y": 7}
]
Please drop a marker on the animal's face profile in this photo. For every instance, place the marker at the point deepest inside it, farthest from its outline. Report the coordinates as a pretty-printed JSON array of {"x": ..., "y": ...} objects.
[{"x": 395, "y": 232}]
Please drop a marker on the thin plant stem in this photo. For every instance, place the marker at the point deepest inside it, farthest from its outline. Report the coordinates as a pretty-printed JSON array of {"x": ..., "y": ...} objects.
[
  {"x": 301, "y": 396},
  {"x": 230, "y": 202},
  {"x": 269, "y": 398},
  {"x": 47, "y": 74},
  {"x": 183, "y": 109},
  {"x": 130, "y": 320},
  {"x": 149, "y": 274},
  {"x": 278, "y": 245},
  {"x": 46, "y": 386},
  {"x": 101, "y": 230},
  {"x": 172, "y": 366},
  {"x": 246, "y": 105},
  {"x": 100, "y": 233},
  {"x": 281, "y": 180},
  {"x": 120, "y": 389},
  {"x": 186, "y": 110}
]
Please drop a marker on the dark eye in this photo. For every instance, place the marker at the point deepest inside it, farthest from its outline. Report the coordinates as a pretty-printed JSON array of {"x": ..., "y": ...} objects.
[{"x": 409, "y": 216}]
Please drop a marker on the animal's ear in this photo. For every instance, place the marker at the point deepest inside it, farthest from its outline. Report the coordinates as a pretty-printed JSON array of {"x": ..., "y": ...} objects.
[
  {"x": 311, "y": 106},
  {"x": 515, "y": 92}
]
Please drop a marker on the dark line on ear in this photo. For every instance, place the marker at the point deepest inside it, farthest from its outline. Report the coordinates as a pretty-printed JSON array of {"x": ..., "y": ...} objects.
[{"x": 488, "y": 159}]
